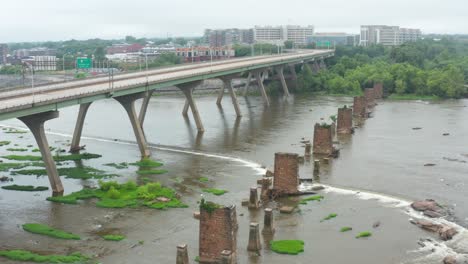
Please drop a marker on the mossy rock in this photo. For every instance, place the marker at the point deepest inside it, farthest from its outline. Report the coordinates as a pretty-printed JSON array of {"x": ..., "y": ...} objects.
[
  {"x": 24, "y": 255},
  {"x": 317, "y": 198},
  {"x": 330, "y": 216},
  {"x": 25, "y": 188},
  {"x": 49, "y": 231},
  {"x": 214, "y": 191},
  {"x": 364, "y": 234},
  {"x": 113, "y": 237},
  {"x": 114, "y": 195},
  {"x": 290, "y": 247}
]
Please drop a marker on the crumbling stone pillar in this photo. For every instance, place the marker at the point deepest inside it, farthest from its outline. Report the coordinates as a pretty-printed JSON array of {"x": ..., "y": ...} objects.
[
  {"x": 254, "y": 238},
  {"x": 286, "y": 175},
  {"x": 265, "y": 191},
  {"x": 253, "y": 200},
  {"x": 308, "y": 150},
  {"x": 218, "y": 232},
  {"x": 345, "y": 121},
  {"x": 316, "y": 166},
  {"x": 378, "y": 90},
  {"x": 359, "y": 106},
  {"x": 182, "y": 254},
  {"x": 370, "y": 97},
  {"x": 323, "y": 139},
  {"x": 226, "y": 257},
  {"x": 268, "y": 226}
]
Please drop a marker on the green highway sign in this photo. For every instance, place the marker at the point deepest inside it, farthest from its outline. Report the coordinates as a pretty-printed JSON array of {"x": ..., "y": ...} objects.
[
  {"x": 323, "y": 43},
  {"x": 83, "y": 63}
]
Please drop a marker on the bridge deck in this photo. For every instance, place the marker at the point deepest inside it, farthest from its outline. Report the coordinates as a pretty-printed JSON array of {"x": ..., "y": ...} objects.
[{"x": 27, "y": 101}]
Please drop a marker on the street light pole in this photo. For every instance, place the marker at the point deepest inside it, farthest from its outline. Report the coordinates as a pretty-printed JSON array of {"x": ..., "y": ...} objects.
[{"x": 146, "y": 61}]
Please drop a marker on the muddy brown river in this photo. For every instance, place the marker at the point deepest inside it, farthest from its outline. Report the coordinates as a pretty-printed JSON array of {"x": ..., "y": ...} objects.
[{"x": 379, "y": 172}]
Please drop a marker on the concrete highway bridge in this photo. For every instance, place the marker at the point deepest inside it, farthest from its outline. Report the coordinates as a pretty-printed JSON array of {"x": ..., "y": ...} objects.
[{"x": 35, "y": 106}]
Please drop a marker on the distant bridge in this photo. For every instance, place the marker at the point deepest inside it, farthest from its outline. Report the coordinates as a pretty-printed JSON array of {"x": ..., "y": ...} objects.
[{"x": 35, "y": 106}]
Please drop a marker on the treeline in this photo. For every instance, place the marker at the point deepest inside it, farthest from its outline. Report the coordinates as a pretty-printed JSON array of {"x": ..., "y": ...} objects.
[{"x": 423, "y": 68}]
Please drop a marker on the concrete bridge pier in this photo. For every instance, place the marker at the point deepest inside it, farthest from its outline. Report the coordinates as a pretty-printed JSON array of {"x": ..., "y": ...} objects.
[
  {"x": 280, "y": 71},
  {"x": 247, "y": 84},
  {"x": 75, "y": 144},
  {"x": 262, "y": 88},
  {"x": 292, "y": 70},
  {"x": 144, "y": 106},
  {"x": 35, "y": 123},
  {"x": 128, "y": 102},
  {"x": 315, "y": 67},
  {"x": 187, "y": 89},
  {"x": 227, "y": 82},
  {"x": 322, "y": 65}
]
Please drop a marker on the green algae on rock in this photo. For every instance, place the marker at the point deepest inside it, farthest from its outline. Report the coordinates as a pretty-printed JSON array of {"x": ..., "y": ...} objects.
[
  {"x": 147, "y": 162},
  {"x": 71, "y": 157},
  {"x": 49, "y": 231},
  {"x": 72, "y": 173},
  {"x": 291, "y": 247},
  {"x": 330, "y": 216},
  {"x": 203, "y": 179},
  {"x": 364, "y": 234},
  {"x": 25, "y": 188},
  {"x": 346, "y": 229},
  {"x": 214, "y": 191},
  {"x": 122, "y": 165},
  {"x": 17, "y": 149},
  {"x": 24, "y": 255},
  {"x": 151, "y": 172},
  {"x": 312, "y": 198},
  {"x": 114, "y": 195},
  {"x": 114, "y": 237},
  {"x": 4, "y": 143}
]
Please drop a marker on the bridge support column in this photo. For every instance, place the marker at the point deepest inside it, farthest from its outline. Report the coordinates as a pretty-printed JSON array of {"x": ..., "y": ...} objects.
[
  {"x": 227, "y": 81},
  {"x": 35, "y": 123},
  {"x": 262, "y": 88},
  {"x": 220, "y": 94},
  {"x": 292, "y": 69},
  {"x": 187, "y": 89},
  {"x": 315, "y": 67},
  {"x": 128, "y": 102},
  {"x": 75, "y": 144},
  {"x": 280, "y": 71},
  {"x": 144, "y": 106},
  {"x": 247, "y": 85},
  {"x": 322, "y": 65}
]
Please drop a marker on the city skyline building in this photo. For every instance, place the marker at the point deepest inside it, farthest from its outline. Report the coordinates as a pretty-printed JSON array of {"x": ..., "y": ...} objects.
[{"x": 387, "y": 35}]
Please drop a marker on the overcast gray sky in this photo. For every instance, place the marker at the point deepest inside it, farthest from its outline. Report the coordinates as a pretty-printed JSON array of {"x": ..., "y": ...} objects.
[{"x": 41, "y": 20}]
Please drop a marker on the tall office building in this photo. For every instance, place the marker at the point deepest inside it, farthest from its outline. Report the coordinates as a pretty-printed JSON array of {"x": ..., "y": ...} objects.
[
  {"x": 299, "y": 35},
  {"x": 387, "y": 35},
  {"x": 228, "y": 37},
  {"x": 279, "y": 34},
  {"x": 269, "y": 34}
]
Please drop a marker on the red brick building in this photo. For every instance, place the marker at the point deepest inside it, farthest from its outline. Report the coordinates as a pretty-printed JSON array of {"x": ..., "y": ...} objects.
[{"x": 124, "y": 48}]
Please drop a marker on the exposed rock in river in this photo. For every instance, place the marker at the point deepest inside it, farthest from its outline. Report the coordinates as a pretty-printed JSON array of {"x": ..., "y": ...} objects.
[
  {"x": 450, "y": 260},
  {"x": 429, "y": 207},
  {"x": 445, "y": 232}
]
